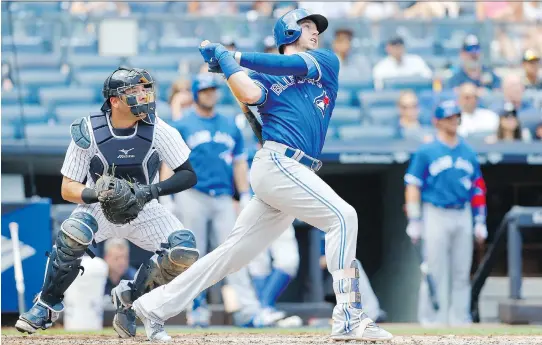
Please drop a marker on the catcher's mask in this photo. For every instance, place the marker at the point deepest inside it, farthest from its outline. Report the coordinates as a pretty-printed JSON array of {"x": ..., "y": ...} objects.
[{"x": 135, "y": 88}]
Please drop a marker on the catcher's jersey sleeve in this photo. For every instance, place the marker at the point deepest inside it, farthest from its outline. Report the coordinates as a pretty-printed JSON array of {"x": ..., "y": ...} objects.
[
  {"x": 170, "y": 145},
  {"x": 76, "y": 163}
]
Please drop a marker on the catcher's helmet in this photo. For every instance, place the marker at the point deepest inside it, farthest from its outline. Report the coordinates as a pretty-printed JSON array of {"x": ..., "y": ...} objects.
[
  {"x": 119, "y": 83},
  {"x": 202, "y": 82},
  {"x": 447, "y": 109},
  {"x": 287, "y": 29}
]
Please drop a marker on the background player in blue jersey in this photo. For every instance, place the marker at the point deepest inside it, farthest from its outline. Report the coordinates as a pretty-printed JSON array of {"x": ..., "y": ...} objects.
[
  {"x": 219, "y": 160},
  {"x": 295, "y": 92},
  {"x": 444, "y": 189}
]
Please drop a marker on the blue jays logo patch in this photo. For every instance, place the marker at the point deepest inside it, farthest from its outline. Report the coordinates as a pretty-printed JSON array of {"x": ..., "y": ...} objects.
[{"x": 321, "y": 102}]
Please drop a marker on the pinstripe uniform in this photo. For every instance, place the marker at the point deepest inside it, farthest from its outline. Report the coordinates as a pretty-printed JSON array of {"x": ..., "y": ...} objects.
[{"x": 154, "y": 223}]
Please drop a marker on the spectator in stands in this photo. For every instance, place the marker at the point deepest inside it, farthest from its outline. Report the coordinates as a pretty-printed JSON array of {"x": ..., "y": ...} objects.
[
  {"x": 99, "y": 8},
  {"x": 375, "y": 10},
  {"x": 350, "y": 64},
  {"x": 409, "y": 117},
  {"x": 474, "y": 119},
  {"x": 269, "y": 45},
  {"x": 7, "y": 79},
  {"x": 180, "y": 98},
  {"x": 117, "y": 257},
  {"x": 228, "y": 42},
  {"x": 509, "y": 127},
  {"x": 471, "y": 68},
  {"x": 513, "y": 92},
  {"x": 399, "y": 64},
  {"x": 538, "y": 132},
  {"x": 531, "y": 67},
  {"x": 431, "y": 9},
  {"x": 342, "y": 9},
  {"x": 212, "y": 8}
]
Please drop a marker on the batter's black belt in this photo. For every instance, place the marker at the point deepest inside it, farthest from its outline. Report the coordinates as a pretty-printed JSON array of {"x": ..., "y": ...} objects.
[{"x": 298, "y": 155}]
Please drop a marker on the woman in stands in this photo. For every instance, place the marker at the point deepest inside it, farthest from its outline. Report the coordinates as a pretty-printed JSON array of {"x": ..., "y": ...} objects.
[{"x": 509, "y": 127}]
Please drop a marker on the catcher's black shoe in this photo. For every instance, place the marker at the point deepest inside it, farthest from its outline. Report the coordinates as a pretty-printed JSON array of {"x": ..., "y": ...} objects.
[
  {"x": 124, "y": 321},
  {"x": 40, "y": 316}
]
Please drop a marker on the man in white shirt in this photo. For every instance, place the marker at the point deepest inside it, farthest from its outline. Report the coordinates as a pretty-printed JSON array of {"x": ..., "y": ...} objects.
[
  {"x": 399, "y": 64},
  {"x": 474, "y": 120}
]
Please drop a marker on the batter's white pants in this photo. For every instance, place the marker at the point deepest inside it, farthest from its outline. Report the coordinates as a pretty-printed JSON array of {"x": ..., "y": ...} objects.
[{"x": 284, "y": 190}]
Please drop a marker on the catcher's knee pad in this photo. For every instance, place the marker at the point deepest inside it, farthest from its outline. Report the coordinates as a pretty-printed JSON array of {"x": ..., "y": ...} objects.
[
  {"x": 75, "y": 235},
  {"x": 177, "y": 255}
]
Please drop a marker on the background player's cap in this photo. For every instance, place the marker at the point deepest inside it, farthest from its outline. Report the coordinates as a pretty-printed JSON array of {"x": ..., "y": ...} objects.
[
  {"x": 287, "y": 29},
  {"x": 447, "y": 109},
  {"x": 396, "y": 41},
  {"x": 202, "y": 82}
]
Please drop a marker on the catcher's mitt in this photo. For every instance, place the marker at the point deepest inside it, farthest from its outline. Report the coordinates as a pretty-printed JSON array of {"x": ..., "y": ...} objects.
[{"x": 118, "y": 201}]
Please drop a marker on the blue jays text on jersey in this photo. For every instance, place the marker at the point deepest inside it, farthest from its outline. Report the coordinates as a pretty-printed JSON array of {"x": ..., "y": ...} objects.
[
  {"x": 447, "y": 176},
  {"x": 296, "y": 110},
  {"x": 216, "y": 142}
]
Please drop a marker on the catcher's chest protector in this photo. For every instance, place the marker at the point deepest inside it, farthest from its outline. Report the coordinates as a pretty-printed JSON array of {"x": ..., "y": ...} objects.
[{"x": 133, "y": 156}]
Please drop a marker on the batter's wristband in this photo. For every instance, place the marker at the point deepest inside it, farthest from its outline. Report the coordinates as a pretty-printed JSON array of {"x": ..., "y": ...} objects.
[
  {"x": 229, "y": 66},
  {"x": 414, "y": 210}
]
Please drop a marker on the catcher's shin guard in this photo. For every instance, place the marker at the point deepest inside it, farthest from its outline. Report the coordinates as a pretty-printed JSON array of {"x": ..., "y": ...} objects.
[
  {"x": 75, "y": 235},
  {"x": 176, "y": 256}
]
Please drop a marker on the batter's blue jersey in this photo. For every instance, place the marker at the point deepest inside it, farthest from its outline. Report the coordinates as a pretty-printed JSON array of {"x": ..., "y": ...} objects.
[
  {"x": 446, "y": 176},
  {"x": 216, "y": 143},
  {"x": 297, "y": 110}
]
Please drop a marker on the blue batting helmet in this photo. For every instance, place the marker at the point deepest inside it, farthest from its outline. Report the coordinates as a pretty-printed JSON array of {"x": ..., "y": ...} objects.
[
  {"x": 202, "y": 82},
  {"x": 447, "y": 109},
  {"x": 287, "y": 29}
]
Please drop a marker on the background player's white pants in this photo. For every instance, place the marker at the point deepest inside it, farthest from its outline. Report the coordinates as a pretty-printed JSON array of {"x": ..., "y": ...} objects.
[
  {"x": 284, "y": 190},
  {"x": 448, "y": 241},
  {"x": 150, "y": 229},
  {"x": 285, "y": 253},
  {"x": 197, "y": 210}
]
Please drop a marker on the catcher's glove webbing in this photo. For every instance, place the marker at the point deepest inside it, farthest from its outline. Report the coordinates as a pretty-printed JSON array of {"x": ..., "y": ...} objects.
[{"x": 118, "y": 200}]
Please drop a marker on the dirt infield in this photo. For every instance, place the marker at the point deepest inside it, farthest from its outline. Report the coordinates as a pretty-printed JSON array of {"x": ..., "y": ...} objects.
[
  {"x": 491, "y": 336},
  {"x": 263, "y": 339}
]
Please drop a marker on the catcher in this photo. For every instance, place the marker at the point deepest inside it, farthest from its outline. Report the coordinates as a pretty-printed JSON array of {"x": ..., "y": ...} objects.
[{"x": 118, "y": 152}]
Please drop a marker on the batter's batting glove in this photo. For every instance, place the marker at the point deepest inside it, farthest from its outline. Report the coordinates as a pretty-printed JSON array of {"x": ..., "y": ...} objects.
[
  {"x": 480, "y": 232},
  {"x": 414, "y": 229}
]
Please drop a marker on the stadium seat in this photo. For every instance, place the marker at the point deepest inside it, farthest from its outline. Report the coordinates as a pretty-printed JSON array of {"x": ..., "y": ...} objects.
[
  {"x": 43, "y": 78},
  {"x": 51, "y": 97},
  {"x": 355, "y": 83},
  {"x": 438, "y": 62},
  {"x": 384, "y": 116},
  {"x": 91, "y": 79},
  {"x": 8, "y": 131},
  {"x": 38, "y": 7},
  {"x": 331, "y": 133},
  {"x": 149, "y": 7},
  {"x": 163, "y": 111},
  {"x": 367, "y": 132},
  {"x": 35, "y": 61},
  {"x": 178, "y": 45},
  {"x": 345, "y": 116},
  {"x": 66, "y": 114},
  {"x": 415, "y": 83},
  {"x": 165, "y": 78},
  {"x": 55, "y": 132},
  {"x": 15, "y": 96},
  {"x": 28, "y": 114},
  {"x": 93, "y": 62},
  {"x": 23, "y": 45},
  {"x": 156, "y": 62},
  {"x": 384, "y": 98},
  {"x": 344, "y": 98}
]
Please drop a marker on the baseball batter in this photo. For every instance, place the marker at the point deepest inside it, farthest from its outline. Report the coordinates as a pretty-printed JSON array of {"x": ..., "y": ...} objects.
[
  {"x": 444, "y": 188},
  {"x": 295, "y": 91},
  {"x": 219, "y": 160},
  {"x": 127, "y": 138}
]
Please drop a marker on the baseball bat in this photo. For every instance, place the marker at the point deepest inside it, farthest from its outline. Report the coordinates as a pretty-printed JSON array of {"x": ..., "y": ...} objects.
[
  {"x": 249, "y": 115},
  {"x": 428, "y": 276},
  {"x": 17, "y": 265}
]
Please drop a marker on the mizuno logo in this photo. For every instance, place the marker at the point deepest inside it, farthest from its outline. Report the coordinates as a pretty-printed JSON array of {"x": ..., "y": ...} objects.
[
  {"x": 7, "y": 252},
  {"x": 125, "y": 154}
]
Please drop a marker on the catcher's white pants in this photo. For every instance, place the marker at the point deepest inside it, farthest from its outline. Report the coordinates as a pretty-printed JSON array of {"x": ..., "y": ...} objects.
[
  {"x": 151, "y": 227},
  {"x": 284, "y": 190}
]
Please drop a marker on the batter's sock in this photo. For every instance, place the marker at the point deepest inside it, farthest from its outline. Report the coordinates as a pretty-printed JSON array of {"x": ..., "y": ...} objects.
[
  {"x": 259, "y": 283},
  {"x": 275, "y": 285}
]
